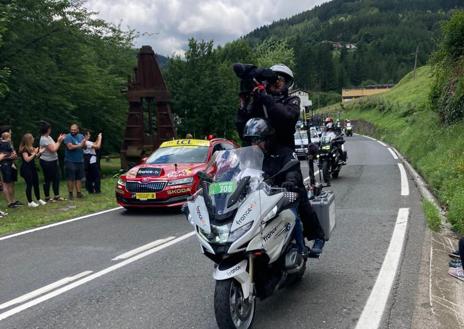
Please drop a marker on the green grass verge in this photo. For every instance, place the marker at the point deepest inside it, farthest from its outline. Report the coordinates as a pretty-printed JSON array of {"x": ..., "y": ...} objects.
[
  {"x": 23, "y": 218},
  {"x": 432, "y": 215},
  {"x": 403, "y": 118}
]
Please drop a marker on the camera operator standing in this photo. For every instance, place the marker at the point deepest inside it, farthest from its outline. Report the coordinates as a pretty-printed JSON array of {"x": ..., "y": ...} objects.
[
  {"x": 270, "y": 100},
  {"x": 264, "y": 94}
]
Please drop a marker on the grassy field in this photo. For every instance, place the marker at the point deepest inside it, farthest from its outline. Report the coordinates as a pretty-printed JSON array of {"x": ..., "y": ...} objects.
[
  {"x": 24, "y": 217},
  {"x": 403, "y": 118}
]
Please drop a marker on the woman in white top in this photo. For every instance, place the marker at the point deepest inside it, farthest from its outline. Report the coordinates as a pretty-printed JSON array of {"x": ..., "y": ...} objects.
[
  {"x": 49, "y": 161},
  {"x": 92, "y": 170}
]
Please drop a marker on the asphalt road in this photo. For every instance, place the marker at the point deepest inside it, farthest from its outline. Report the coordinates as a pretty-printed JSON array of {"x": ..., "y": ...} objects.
[{"x": 171, "y": 286}]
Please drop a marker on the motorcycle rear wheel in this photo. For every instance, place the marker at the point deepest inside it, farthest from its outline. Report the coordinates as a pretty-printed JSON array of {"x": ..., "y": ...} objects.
[{"x": 232, "y": 311}]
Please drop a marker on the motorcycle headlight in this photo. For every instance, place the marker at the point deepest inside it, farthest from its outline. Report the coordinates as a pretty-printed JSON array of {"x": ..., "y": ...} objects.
[
  {"x": 219, "y": 234},
  {"x": 239, "y": 232},
  {"x": 271, "y": 214},
  {"x": 182, "y": 181},
  {"x": 326, "y": 147}
]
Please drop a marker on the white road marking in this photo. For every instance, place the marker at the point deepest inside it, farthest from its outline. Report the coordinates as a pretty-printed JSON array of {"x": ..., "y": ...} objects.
[
  {"x": 404, "y": 180},
  {"x": 47, "y": 288},
  {"x": 373, "y": 139},
  {"x": 393, "y": 153},
  {"x": 373, "y": 311},
  {"x": 91, "y": 277},
  {"x": 381, "y": 143},
  {"x": 143, "y": 248},
  {"x": 57, "y": 224}
]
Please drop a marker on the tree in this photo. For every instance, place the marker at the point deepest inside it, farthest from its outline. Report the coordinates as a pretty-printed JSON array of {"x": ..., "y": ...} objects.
[{"x": 65, "y": 67}]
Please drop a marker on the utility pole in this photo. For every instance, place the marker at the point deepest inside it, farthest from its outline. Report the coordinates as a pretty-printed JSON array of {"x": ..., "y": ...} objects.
[{"x": 415, "y": 61}]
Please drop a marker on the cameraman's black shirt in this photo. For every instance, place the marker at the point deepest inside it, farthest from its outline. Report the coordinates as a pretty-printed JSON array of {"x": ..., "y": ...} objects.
[{"x": 283, "y": 114}]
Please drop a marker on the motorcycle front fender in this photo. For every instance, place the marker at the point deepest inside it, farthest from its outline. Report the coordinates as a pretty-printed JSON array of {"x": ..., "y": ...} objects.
[{"x": 237, "y": 272}]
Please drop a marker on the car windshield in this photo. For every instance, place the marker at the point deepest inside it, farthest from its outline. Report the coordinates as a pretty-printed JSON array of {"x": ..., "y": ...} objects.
[{"x": 179, "y": 154}]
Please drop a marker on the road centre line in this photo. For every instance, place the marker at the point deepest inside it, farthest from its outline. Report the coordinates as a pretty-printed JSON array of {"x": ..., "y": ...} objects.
[
  {"x": 143, "y": 248},
  {"x": 404, "y": 180},
  {"x": 58, "y": 223},
  {"x": 91, "y": 277},
  {"x": 393, "y": 153},
  {"x": 40, "y": 291},
  {"x": 373, "y": 311}
]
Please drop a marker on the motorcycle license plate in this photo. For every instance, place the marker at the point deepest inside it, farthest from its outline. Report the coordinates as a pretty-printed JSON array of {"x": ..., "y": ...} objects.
[
  {"x": 222, "y": 187},
  {"x": 145, "y": 196},
  {"x": 326, "y": 147}
]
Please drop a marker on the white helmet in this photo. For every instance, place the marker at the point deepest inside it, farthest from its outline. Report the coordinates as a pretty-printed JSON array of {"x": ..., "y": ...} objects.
[{"x": 284, "y": 70}]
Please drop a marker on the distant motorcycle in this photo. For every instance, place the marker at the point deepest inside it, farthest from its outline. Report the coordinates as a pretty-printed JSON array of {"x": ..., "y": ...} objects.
[
  {"x": 349, "y": 129},
  {"x": 330, "y": 156}
]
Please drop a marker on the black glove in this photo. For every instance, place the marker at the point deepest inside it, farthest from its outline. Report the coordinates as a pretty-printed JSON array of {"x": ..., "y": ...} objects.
[{"x": 290, "y": 186}]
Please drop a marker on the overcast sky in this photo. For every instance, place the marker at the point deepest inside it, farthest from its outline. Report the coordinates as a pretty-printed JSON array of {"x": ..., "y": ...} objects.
[{"x": 166, "y": 25}]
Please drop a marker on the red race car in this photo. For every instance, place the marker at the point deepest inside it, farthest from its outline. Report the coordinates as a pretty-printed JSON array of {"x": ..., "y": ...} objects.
[{"x": 168, "y": 176}]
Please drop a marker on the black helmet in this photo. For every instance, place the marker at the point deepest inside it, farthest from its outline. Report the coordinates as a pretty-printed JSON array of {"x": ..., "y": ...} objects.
[{"x": 257, "y": 129}]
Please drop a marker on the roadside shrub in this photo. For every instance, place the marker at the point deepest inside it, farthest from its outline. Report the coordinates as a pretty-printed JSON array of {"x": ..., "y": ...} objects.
[
  {"x": 432, "y": 215},
  {"x": 447, "y": 94},
  {"x": 456, "y": 210}
]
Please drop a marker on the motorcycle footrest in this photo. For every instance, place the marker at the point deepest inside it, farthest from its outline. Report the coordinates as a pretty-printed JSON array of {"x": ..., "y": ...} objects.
[{"x": 316, "y": 256}]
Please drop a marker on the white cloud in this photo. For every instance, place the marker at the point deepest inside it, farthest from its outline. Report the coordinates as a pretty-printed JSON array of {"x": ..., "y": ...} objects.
[{"x": 168, "y": 24}]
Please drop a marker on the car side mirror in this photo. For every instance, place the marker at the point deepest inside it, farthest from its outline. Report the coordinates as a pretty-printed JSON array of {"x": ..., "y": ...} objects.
[{"x": 144, "y": 160}]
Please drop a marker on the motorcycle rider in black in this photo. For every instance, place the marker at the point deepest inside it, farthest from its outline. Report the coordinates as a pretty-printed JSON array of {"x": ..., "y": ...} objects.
[
  {"x": 282, "y": 111},
  {"x": 331, "y": 129},
  {"x": 259, "y": 132}
]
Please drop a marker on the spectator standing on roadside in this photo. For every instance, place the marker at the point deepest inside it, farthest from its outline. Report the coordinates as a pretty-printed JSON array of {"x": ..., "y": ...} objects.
[
  {"x": 2, "y": 213},
  {"x": 74, "y": 160},
  {"x": 92, "y": 170},
  {"x": 28, "y": 170},
  {"x": 8, "y": 168},
  {"x": 49, "y": 162}
]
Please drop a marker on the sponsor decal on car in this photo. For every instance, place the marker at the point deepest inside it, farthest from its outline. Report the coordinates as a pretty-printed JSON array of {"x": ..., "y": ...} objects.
[
  {"x": 185, "y": 142},
  {"x": 179, "y": 190},
  {"x": 147, "y": 171}
]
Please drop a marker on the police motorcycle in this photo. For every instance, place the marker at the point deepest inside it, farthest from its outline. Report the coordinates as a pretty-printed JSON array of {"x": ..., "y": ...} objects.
[
  {"x": 245, "y": 226},
  {"x": 330, "y": 155}
]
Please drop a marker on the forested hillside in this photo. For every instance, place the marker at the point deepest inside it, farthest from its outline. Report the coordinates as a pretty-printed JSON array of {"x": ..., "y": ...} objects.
[{"x": 346, "y": 43}]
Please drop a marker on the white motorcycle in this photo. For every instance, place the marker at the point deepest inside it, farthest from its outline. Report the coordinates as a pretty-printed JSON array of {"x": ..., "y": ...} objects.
[{"x": 246, "y": 227}]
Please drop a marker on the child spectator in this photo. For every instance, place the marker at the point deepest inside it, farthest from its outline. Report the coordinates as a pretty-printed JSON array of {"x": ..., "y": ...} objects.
[
  {"x": 92, "y": 170},
  {"x": 49, "y": 162},
  {"x": 29, "y": 171},
  {"x": 8, "y": 168}
]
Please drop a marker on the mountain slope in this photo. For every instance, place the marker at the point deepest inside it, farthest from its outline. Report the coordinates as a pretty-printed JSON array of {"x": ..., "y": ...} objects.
[{"x": 346, "y": 43}]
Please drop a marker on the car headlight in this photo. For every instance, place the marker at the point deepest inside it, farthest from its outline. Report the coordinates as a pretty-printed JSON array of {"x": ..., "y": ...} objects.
[
  {"x": 219, "y": 234},
  {"x": 182, "y": 181},
  {"x": 239, "y": 232},
  {"x": 121, "y": 182}
]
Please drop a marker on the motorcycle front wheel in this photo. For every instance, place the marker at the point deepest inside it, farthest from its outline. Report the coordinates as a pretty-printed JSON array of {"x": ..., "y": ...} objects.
[
  {"x": 325, "y": 171},
  {"x": 232, "y": 311}
]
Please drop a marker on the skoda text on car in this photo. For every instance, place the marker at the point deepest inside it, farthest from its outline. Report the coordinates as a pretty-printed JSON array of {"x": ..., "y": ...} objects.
[{"x": 168, "y": 176}]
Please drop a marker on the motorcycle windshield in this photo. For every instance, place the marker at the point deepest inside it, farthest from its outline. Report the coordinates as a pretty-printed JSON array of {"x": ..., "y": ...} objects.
[
  {"x": 236, "y": 173},
  {"x": 326, "y": 139}
]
